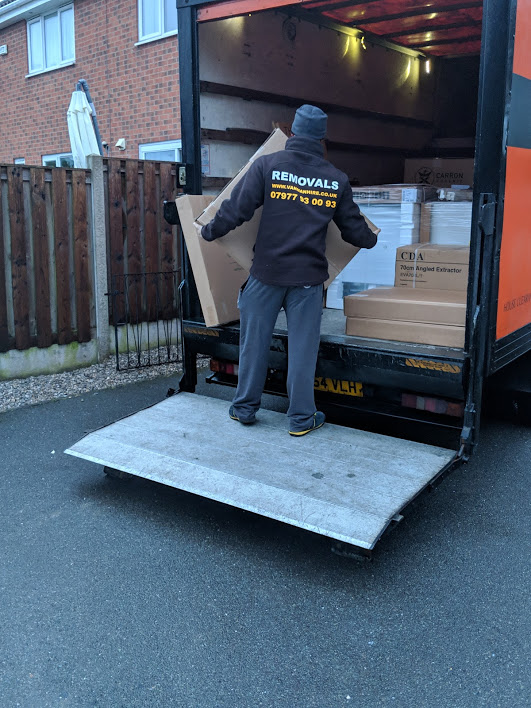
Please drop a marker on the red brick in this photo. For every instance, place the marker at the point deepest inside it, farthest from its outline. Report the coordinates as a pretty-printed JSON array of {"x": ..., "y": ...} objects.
[{"x": 129, "y": 86}]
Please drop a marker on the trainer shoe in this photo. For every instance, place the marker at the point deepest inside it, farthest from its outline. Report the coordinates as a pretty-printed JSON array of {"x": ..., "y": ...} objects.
[
  {"x": 317, "y": 422},
  {"x": 244, "y": 421}
]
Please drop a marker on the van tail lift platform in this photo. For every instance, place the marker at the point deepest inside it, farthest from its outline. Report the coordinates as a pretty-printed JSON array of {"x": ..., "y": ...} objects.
[{"x": 349, "y": 485}]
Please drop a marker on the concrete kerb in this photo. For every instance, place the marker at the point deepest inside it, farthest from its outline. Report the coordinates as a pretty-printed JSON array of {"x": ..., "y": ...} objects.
[{"x": 16, "y": 364}]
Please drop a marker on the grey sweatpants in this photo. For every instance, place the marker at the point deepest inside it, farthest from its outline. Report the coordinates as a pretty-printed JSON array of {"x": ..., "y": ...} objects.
[{"x": 259, "y": 307}]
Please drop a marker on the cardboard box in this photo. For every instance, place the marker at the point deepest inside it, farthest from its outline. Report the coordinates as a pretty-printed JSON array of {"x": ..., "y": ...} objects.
[
  {"x": 394, "y": 193},
  {"x": 239, "y": 243},
  {"x": 414, "y": 332},
  {"x": 433, "y": 267},
  {"x": 409, "y": 305},
  {"x": 218, "y": 276},
  {"x": 440, "y": 172},
  {"x": 446, "y": 222}
]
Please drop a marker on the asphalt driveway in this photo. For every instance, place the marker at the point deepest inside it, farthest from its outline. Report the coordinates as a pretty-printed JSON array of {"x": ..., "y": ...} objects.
[{"x": 131, "y": 594}]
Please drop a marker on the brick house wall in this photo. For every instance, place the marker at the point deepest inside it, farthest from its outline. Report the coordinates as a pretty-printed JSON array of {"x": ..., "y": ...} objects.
[{"x": 135, "y": 89}]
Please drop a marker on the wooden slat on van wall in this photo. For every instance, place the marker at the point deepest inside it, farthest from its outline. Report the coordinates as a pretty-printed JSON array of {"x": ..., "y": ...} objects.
[
  {"x": 19, "y": 270},
  {"x": 151, "y": 236},
  {"x": 41, "y": 258},
  {"x": 61, "y": 252},
  {"x": 254, "y": 95},
  {"x": 81, "y": 255}
]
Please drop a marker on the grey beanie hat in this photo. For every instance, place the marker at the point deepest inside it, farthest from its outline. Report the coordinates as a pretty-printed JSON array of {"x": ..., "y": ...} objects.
[{"x": 309, "y": 122}]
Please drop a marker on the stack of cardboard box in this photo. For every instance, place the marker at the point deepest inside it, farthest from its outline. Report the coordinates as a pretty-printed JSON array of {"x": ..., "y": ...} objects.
[
  {"x": 427, "y": 304},
  {"x": 443, "y": 222},
  {"x": 408, "y": 315},
  {"x": 396, "y": 208}
]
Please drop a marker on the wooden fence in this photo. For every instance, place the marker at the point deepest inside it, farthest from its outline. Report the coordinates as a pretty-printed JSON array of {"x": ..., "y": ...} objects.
[
  {"x": 46, "y": 293},
  {"x": 140, "y": 241},
  {"x": 48, "y": 269}
]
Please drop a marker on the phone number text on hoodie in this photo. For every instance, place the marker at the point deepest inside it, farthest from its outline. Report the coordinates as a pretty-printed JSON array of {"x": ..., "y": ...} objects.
[{"x": 314, "y": 201}]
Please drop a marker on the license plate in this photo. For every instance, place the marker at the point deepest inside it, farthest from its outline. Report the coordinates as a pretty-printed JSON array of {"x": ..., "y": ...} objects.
[{"x": 345, "y": 388}]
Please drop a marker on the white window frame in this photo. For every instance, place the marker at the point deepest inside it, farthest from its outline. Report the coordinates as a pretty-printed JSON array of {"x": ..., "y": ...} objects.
[
  {"x": 19, "y": 161},
  {"x": 145, "y": 38},
  {"x": 40, "y": 20},
  {"x": 57, "y": 157},
  {"x": 167, "y": 145}
]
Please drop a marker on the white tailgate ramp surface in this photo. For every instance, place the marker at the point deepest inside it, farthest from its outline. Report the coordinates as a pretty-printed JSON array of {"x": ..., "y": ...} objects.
[{"x": 339, "y": 482}]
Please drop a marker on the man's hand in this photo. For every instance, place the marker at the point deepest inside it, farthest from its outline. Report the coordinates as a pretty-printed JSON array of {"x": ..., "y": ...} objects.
[{"x": 198, "y": 229}]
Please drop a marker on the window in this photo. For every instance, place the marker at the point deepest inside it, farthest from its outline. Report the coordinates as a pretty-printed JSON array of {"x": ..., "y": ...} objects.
[
  {"x": 156, "y": 18},
  {"x": 19, "y": 161},
  {"x": 62, "y": 159},
  {"x": 51, "y": 40},
  {"x": 166, "y": 152}
]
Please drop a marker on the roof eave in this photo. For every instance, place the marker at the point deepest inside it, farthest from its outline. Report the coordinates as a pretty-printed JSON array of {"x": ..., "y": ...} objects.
[{"x": 17, "y": 10}]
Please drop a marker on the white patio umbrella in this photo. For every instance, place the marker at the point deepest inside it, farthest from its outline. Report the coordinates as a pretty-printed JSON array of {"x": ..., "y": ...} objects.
[{"x": 81, "y": 129}]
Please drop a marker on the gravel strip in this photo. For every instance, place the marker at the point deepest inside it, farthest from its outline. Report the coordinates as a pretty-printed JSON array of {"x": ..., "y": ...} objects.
[{"x": 40, "y": 389}]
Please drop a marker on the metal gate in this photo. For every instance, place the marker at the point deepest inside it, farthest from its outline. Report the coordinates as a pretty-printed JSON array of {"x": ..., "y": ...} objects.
[{"x": 147, "y": 319}]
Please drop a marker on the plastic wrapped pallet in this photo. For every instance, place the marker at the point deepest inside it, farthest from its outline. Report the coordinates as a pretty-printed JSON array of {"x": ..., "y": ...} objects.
[
  {"x": 397, "y": 211},
  {"x": 446, "y": 222}
]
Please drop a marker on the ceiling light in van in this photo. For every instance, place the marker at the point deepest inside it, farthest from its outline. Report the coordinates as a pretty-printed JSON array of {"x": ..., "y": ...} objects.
[
  {"x": 235, "y": 24},
  {"x": 347, "y": 47}
]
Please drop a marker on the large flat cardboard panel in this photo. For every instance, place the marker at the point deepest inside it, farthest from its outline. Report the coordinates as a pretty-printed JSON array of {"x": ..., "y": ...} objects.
[
  {"x": 275, "y": 143},
  {"x": 439, "y": 172},
  {"x": 409, "y": 305},
  {"x": 415, "y": 332},
  {"x": 432, "y": 266},
  {"x": 218, "y": 276},
  {"x": 239, "y": 243}
]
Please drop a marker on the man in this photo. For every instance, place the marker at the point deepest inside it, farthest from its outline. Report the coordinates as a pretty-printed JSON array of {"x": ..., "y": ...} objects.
[{"x": 301, "y": 193}]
